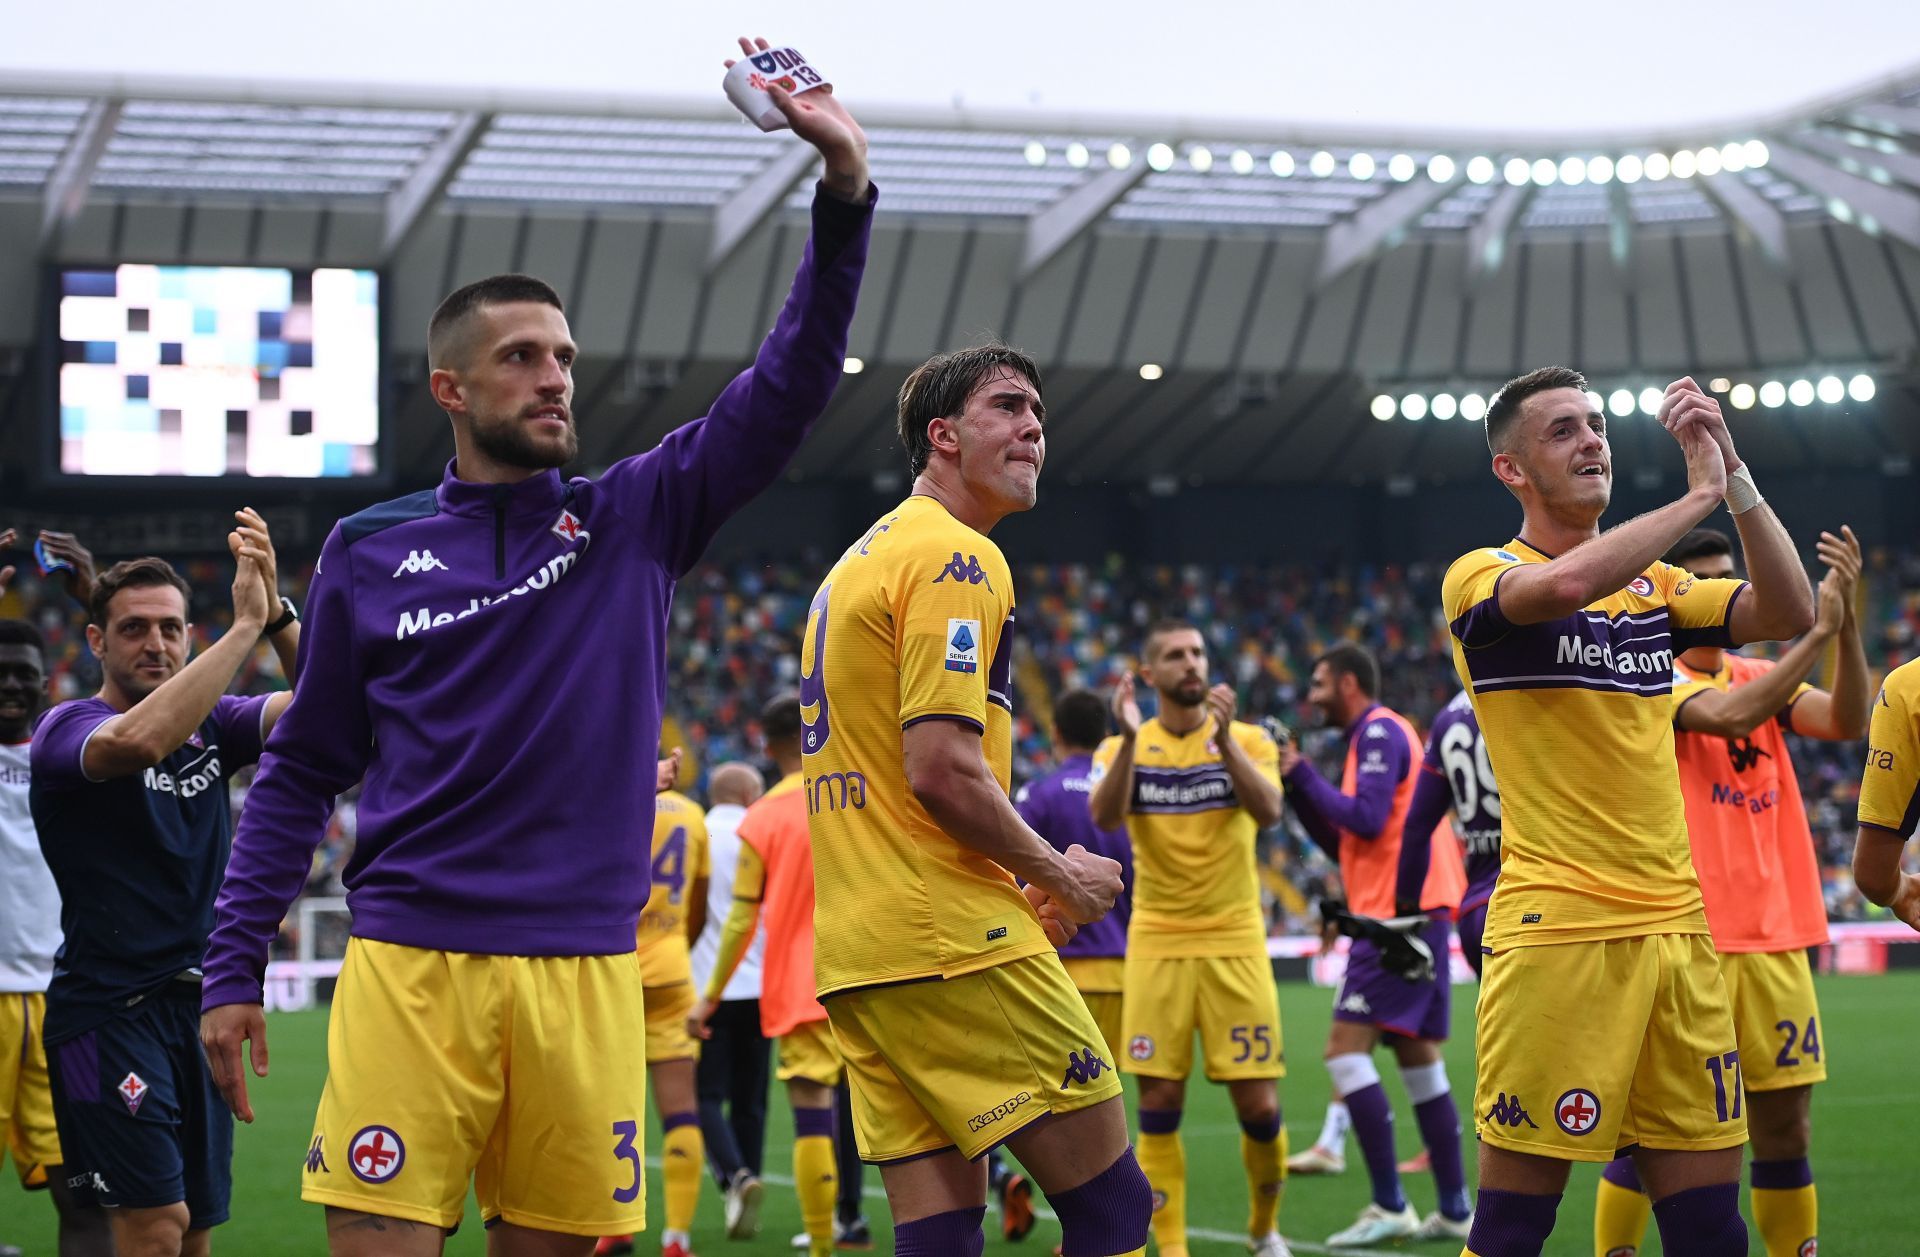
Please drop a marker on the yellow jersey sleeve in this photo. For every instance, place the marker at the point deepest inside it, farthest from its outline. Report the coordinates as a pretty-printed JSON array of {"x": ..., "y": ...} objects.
[
  {"x": 750, "y": 875},
  {"x": 700, "y": 850},
  {"x": 1890, "y": 784},
  {"x": 1260, "y": 748},
  {"x": 948, "y": 625},
  {"x": 1470, "y": 594},
  {"x": 1700, "y": 609},
  {"x": 1103, "y": 757},
  {"x": 1686, "y": 686}
]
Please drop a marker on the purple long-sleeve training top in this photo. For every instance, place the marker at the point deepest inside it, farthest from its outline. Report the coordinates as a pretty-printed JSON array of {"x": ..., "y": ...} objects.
[
  {"x": 1324, "y": 811},
  {"x": 491, "y": 659}
]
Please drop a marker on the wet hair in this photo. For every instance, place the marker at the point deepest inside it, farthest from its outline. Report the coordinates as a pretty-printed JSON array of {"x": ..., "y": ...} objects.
[
  {"x": 1354, "y": 660},
  {"x": 1504, "y": 409},
  {"x": 443, "y": 330},
  {"x": 138, "y": 573},
  {"x": 939, "y": 387},
  {"x": 1079, "y": 719}
]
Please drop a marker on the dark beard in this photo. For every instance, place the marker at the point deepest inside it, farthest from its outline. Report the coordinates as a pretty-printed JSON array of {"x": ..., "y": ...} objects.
[
  {"x": 508, "y": 443},
  {"x": 1180, "y": 698}
]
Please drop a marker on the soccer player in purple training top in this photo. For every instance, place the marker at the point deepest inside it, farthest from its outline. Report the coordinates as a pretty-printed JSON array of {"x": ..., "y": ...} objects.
[
  {"x": 490, "y": 655},
  {"x": 1359, "y": 823},
  {"x": 1454, "y": 774}
]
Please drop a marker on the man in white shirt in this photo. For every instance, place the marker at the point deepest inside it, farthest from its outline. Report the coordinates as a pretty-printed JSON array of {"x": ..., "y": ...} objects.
[
  {"x": 29, "y": 937},
  {"x": 732, "y": 1073}
]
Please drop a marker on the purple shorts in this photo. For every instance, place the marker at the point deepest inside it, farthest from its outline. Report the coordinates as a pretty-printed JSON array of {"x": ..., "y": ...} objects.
[
  {"x": 1473, "y": 927},
  {"x": 1375, "y": 997}
]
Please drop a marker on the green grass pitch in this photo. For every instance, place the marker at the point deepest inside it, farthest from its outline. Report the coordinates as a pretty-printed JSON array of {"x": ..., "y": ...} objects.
[{"x": 1861, "y": 1151}]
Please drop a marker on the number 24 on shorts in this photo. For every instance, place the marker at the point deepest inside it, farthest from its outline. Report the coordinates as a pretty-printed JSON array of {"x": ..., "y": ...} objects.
[{"x": 1250, "y": 1037}]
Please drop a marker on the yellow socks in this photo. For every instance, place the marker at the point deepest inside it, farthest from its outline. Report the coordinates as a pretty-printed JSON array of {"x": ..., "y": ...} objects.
[
  {"x": 1620, "y": 1211},
  {"x": 685, "y": 1161},
  {"x": 1266, "y": 1163},
  {"x": 1165, "y": 1161},
  {"x": 1785, "y": 1209}
]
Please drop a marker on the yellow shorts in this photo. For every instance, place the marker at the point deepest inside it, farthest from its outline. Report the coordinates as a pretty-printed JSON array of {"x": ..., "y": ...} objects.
[
  {"x": 808, "y": 1051},
  {"x": 1586, "y": 1049},
  {"x": 1776, "y": 1018},
  {"x": 667, "y": 1037},
  {"x": 1230, "y": 1000},
  {"x": 524, "y": 1073},
  {"x": 26, "y": 1103},
  {"x": 1100, "y": 980},
  {"x": 967, "y": 1062}
]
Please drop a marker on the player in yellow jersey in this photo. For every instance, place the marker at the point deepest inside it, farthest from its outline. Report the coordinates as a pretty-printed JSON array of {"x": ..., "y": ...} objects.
[
  {"x": 1890, "y": 796},
  {"x": 1194, "y": 786},
  {"x": 957, "y": 1022},
  {"x": 1604, "y": 1025},
  {"x": 675, "y": 914}
]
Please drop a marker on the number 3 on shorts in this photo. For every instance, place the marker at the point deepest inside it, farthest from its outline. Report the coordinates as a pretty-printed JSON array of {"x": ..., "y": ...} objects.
[{"x": 627, "y": 1150}]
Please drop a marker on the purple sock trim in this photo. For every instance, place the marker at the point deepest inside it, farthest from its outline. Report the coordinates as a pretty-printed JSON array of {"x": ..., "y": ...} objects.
[
  {"x": 1373, "y": 1128},
  {"x": 1703, "y": 1222},
  {"x": 1264, "y": 1131},
  {"x": 813, "y": 1122},
  {"x": 955, "y": 1234},
  {"x": 1159, "y": 1121},
  {"x": 674, "y": 1121},
  {"x": 1109, "y": 1213},
  {"x": 1620, "y": 1173},
  {"x": 1439, "y": 1120},
  {"x": 1782, "y": 1176},
  {"x": 1508, "y": 1224}
]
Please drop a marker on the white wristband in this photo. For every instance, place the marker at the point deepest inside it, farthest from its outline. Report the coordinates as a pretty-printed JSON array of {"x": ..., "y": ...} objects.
[{"x": 1741, "y": 494}]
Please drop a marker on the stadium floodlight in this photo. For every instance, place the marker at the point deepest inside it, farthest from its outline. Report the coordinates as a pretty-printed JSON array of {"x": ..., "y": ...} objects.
[
  {"x": 1361, "y": 166},
  {"x": 1595, "y": 402},
  {"x": 1480, "y": 169},
  {"x": 1150, "y": 371},
  {"x": 1546, "y": 172},
  {"x": 1741, "y": 396},
  {"x": 1860, "y": 388},
  {"x": 1413, "y": 406},
  {"x": 1036, "y": 153},
  {"x": 1440, "y": 168},
  {"x": 1517, "y": 171},
  {"x": 1773, "y": 394},
  {"x": 1707, "y": 161},
  {"x": 1200, "y": 158},
  {"x": 1658, "y": 167},
  {"x": 1757, "y": 154},
  {"x": 1650, "y": 400},
  {"x": 1401, "y": 168},
  {"x": 1281, "y": 163},
  {"x": 1077, "y": 155},
  {"x": 1160, "y": 157},
  {"x": 1573, "y": 170},
  {"x": 1443, "y": 406},
  {"x": 1620, "y": 402},
  {"x": 1800, "y": 392},
  {"x": 853, "y": 366},
  {"x": 1683, "y": 164},
  {"x": 1321, "y": 164},
  {"x": 1473, "y": 408},
  {"x": 1119, "y": 156},
  {"x": 1719, "y": 384},
  {"x": 1629, "y": 168},
  {"x": 1241, "y": 161},
  {"x": 1733, "y": 157},
  {"x": 1383, "y": 407},
  {"x": 1600, "y": 169},
  {"x": 1830, "y": 390}
]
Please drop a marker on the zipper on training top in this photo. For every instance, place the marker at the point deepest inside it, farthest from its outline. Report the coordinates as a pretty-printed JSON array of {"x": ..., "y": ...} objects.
[{"x": 500, "y": 495}]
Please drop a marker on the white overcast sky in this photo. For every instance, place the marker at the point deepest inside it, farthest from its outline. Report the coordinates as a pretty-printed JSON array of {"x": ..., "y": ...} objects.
[{"x": 1506, "y": 66}]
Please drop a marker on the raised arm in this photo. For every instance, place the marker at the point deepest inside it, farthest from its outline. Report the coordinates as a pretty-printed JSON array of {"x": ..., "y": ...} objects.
[
  {"x": 1113, "y": 792},
  {"x": 1842, "y": 713},
  {"x": 1385, "y": 761},
  {"x": 1255, "y": 785}
]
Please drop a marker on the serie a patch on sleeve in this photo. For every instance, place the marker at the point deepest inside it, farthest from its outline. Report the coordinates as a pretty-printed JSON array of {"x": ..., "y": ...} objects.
[{"x": 963, "y": 645}]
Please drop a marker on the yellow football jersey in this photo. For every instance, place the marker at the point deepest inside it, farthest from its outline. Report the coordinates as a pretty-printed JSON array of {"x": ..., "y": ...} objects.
[
  {"x": 1577, "y": 714},
  {"x": 913, "y": 623},
  {"x": 1195, "y": 888},
  {"x": 679, "y": 860},
  {"x": 1890, "y": 787}
]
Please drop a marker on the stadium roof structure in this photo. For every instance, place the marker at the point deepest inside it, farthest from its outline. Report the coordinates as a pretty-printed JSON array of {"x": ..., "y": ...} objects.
[{"x": 1210, "y": 303}]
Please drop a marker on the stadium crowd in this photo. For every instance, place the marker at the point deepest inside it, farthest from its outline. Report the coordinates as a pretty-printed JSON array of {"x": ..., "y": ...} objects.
[{"x": 736, "y": 641}]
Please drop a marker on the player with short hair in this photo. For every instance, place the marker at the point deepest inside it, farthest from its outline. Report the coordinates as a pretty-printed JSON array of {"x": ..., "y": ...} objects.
[
  {"x": 1566, "y": 638},
  {"x": 775, "y": 885},
  {"x": 958, "y": 1024},
  {"x": 1890, "y": 796},
  {"x": 1759, "y": 879},
  {"x": 1194, "y": 787},
  {"x": 29, "y": 937},
  {"x": 675, "y": 914},
  {"x": 490, "y": 656},
  {"x": 129, "y": 799},
  {"x": 1359, "y": 824}
]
